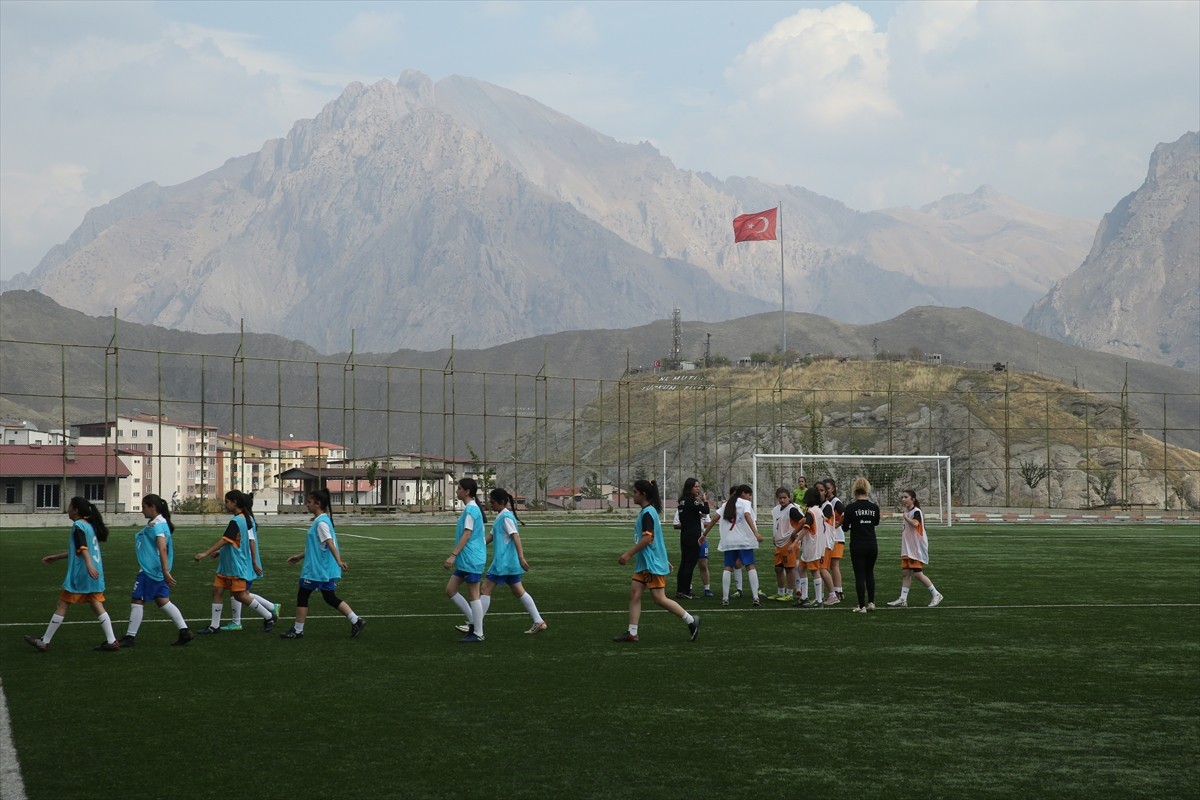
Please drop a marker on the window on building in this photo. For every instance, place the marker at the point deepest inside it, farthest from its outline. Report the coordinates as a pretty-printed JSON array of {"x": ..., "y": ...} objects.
[
  {"x": 93, "y": 492},
  {"x": 150, "y": 433},
  {"x": 11, "y": 495},
  {"x": 133, "y": 434},
  {"x": 48, "y": 496},
  {"x": 137, "y": 494},
  {"x": 149, "y": 448}
]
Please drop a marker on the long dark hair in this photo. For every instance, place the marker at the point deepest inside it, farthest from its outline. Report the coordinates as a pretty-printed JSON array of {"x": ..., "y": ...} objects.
[
  {"x": 499, "y": 495},
  {"x": 322, "y": 497},
  {"x": 160, "y": 506},
  {"x": 90, "y": 513},
  {"x": 244, "y": 503},
  {"x": 730, "y": 512},
  {"x": 812, "y": 497},
  {"x": 912, "y": 493},
  {"x": 649, "y": 490},
  {"x": 688, "y": 485},
  {"x": 471, "y": 487}
]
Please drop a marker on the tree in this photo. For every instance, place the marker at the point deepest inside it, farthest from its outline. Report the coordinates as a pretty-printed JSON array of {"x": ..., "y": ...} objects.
[
  {"x": 1033, "y": 473},
  {"x": 591, "y": 487},
  {"x": 640, "y": 473},
  {"x": 760, "y": 357},
  {"x": 195, "y": 505},
  {"x": 719, "y": 361},
  {"x": 1101, "y": 482}
]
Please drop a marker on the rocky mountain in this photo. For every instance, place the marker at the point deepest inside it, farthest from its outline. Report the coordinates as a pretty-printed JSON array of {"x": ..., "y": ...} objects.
[
  {"x": 412, "y": 212},
  {"x": 1138, "y": 292}
]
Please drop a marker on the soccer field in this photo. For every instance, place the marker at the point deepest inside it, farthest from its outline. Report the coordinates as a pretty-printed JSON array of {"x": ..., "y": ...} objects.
[{"x": 1064, "y": 662}]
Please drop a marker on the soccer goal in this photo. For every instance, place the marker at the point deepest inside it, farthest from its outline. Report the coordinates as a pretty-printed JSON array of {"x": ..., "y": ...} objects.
[{"x": 928, "y": 476}]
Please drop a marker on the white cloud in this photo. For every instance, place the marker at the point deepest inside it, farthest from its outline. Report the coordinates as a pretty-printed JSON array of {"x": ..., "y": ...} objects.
[
  {"x": 369, "y": 31},
  {"x": 823, "y": 66},
  {"x": 574, "y": 27}
]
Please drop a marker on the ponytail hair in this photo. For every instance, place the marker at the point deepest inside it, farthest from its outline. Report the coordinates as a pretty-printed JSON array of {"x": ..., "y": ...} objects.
[
  {"x": 730, "y": 512},
  {"x": 244, "y": 503},
  {"x": 321, "y": 495},
  {"x": 862, "y": 487},
  {"x": 160, "y": 507},
  {"x": 649, "y": 490},
  {"x": 89, "y": 512},
  {"x": 913, "y": 494},
  {"x": 470, "y": 486},
  {"x": 502, "y": 496}
]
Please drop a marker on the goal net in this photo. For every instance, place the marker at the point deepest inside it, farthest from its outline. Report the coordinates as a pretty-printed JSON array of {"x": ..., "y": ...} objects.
[{"x": 928, "y": 476}]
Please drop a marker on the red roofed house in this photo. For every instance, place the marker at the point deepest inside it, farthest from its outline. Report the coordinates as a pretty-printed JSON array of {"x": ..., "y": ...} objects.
[{"x": 35, "y": 478}]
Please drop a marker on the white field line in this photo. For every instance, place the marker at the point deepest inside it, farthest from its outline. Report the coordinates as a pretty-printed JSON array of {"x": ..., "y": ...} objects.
[
  {"x": 11, "y": 785},
  {"x": 844, "y": 606}
]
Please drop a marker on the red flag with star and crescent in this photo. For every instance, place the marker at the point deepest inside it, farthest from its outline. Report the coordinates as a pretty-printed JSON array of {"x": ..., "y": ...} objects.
[{"x": 758, "y": 227}]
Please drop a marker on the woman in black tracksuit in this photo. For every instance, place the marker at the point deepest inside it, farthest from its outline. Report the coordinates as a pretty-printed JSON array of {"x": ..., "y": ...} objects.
[
  {"x": 860, "y": 520},
  {"x": 693, "y": 511}
]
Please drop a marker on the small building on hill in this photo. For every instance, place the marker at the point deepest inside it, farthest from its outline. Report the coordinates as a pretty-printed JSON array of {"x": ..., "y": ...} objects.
[{"x": 38, "y": 478}]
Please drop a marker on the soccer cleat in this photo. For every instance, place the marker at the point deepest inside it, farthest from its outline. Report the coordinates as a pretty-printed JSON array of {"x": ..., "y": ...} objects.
[
  {"x": 277, "y": 609},
  {"x": 694, "y": 627},
  {"x": 737, "y": 594},
  {"x": 269, "y": 624},
  {"x": 757, "y": 603},
  {"x": 724, "y": 602},
  {"x": 356, "y": 627},
  {"x": 783, "y": 598},
  {"x": 899, "y": 602},
  {"x": 762, "y": 595},
  {"x": 832, "y": 600},
  {"x": 292, "y": 634},
  {"x": 107, "y": 647},
  {"x": 804, "y": 602},
  {"x": 185, "y": 636},
  {"x": 470, "y": 638},
  {"x": 207, "y": 630},
  {"x": 37, "y": 644},
  {"x": 538, "y": 627},
  {"x": 870, "y": 606},
  {"x": 709, "y": 593},
  {"x": 626, "y": 637},
  {"x": 682, "y": 596},
  {"x": 127, "y": 641},
  {"x": 464, "y": 628},
  {"x": 859, "y": 609},
  {"x": 937, "y": 598},
  {"x": 232, "y": 626}
]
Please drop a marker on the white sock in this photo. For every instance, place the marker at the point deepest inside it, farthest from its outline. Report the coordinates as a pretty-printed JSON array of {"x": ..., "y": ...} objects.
[
  {"x": 818, "y": 589},
  {"x": 352, "y": 617},
  {"x": 235, "y": 609},
  {"x": 688, "y": 618},
  {"x": 802, "y": 587},
  {"x": 216, "y": 614},
  {"x": 264, "y": 611},
  {"x": 263, "y": 600},
  {"x": 726, "y": 577},
  {"x": 531, "y": 607},
  {"x": 172, "y": 611},
  {"x": 932, "y": 591},
  {"x": 463, "y": 605},
  {"x": 486, "y": 601},
  {"x": 477, "y": 616},
  {"x": 106, "y": 623},
  {"x": 904, "y": 593},
  {"x": 633, "y": 630},
  {"x": 838, "y": 589},
  {"x": 52, "y": 628},
  {"x": 299, "y": 626},
  {"x": 753, "y": 582},
  {"x": 708, "y": 587},
  {"x": 738, "y": 575},
  {"x": 136, "y": 612}
]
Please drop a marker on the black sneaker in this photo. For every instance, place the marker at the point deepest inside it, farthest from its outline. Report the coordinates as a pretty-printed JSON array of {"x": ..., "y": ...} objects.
[
  {"x": 292, "y": 634},
  {"x": 208, "y": 630},
  {"x": 107, "y": 647},
  {"x": 127, "y": 641},
  {"x": 470, "y": 638},
  {"x": 37, "y": 644},
  {"x": 683, "y": 596},
  {"x": 694, "y": 626},
  {"x": 185, "y": 636},
  {"x": 269, "y": 624},
  {"x": 356, "y": 627},
  {"x": 626, "y": 637},
  {"x": 757, "y": 603}
]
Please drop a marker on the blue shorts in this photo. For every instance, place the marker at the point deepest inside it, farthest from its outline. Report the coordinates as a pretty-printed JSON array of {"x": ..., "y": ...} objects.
[
  {"x": 733, "y": 556},
  {"x": 504, "y": 580},
  {"x": 318, "y": 586},
  {"x": 146, "y": 588},
  {"x": 704, "y": 549},
  {"x": 469, "y": 577},
  {"x": 248, "y": 585}
]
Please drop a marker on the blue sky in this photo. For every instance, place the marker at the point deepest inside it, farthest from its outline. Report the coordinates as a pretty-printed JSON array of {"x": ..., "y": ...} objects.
[{"x": 875, "y": 104}]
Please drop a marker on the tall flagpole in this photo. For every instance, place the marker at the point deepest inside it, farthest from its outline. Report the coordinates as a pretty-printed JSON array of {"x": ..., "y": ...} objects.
[{"x": 782, "y": 290}]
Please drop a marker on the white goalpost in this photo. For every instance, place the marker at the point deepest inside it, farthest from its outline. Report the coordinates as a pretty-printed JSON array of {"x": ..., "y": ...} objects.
[{"x": 928, "y": 476}]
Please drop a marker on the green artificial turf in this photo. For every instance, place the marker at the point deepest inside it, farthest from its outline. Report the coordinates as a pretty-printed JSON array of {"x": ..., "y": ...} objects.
[{"x": 1064, "y": 662}]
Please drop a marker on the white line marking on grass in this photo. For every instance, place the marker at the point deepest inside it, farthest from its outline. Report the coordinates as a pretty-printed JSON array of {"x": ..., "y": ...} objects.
[
  {"x": 11, "y": 785},
  {"x": 694, "y": 608},
  {"x": 372, "y": 538}
]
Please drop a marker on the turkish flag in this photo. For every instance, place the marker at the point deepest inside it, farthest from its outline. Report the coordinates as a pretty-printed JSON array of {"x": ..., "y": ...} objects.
[{"x": 758, "y": 227}]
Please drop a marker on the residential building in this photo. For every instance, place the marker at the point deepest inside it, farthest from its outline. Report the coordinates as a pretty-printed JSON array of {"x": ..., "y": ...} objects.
[
  {"x": 41, "y": 477},
  {"x": 178, "y": 459}
]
